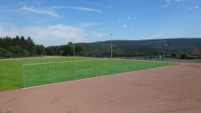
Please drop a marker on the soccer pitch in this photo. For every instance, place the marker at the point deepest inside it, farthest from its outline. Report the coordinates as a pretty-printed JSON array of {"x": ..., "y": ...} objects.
[{"x": 21, "y": 73}]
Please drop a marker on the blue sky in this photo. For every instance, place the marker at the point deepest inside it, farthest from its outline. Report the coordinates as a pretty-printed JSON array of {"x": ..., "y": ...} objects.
[{"x": 56, "y": 22}]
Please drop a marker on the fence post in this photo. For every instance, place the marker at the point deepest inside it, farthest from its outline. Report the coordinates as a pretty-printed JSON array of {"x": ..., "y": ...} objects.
[
  {"x": 111, "y": 66},
  {"x": 126, "y": 65},
  {"x": 96, "y": 68},
  {"x": 23, "y": 75},
  {"x": 76, "y": 69},
  {"x": 52, "y": 72}
]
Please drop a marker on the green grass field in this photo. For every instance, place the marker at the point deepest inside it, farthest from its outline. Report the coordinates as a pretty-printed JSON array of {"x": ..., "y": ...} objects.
[{"x": 65, "y": 69}]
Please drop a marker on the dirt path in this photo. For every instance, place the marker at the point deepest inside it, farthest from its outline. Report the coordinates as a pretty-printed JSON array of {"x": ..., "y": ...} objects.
[{"x": 173, "y": 89}]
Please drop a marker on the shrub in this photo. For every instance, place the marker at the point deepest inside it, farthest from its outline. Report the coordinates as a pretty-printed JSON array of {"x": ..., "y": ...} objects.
[{"x": 185, "y": 55}]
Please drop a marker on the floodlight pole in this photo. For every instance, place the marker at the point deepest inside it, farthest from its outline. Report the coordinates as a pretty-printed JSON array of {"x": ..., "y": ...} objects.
[{"x": 111, "y": 45}]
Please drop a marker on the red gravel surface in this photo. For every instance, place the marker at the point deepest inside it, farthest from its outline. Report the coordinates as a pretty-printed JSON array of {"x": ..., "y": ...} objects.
[{"x": 172, "y": 89}]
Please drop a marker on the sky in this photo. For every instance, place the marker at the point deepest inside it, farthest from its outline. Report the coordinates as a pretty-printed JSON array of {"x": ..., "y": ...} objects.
[{"x": 57, "y": 22}]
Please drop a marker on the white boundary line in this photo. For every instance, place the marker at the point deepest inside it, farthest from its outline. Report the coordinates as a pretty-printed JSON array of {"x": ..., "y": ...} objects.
[{"x": 47, "y": 63}]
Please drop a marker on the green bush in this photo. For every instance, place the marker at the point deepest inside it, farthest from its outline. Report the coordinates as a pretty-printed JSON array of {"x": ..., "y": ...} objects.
[{"x": 185, "y": 55}]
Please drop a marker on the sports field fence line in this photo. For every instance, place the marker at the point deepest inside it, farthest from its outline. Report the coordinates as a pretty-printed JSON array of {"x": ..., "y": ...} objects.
[{"x": 53, "y": 72}]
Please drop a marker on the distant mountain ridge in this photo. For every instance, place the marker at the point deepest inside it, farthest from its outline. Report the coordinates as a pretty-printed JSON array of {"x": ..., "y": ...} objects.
[{"x": 145, "y": 47}]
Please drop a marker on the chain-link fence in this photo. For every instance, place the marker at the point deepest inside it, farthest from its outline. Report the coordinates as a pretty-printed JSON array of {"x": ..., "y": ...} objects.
[{"x": 54, "y": 72}]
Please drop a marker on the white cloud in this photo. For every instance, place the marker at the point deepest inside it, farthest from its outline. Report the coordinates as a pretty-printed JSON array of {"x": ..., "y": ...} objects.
[
  {"x": 166, "y": 5},
  {"x": 129, "y": 18},
  {"x": 170, "y": 2},
  {"x": 108, "y": 6},
  {"x": 125, "y": 26},
  {"x": 40, "y": 11},
  {"x": 8, "y": 32},
  {"x": 182, "y": 0},
  {"x": 54, "y": 34},
  {"x": 178, "y": 0},
  {"x": 64, "y": 31},
  {"x": 86, "y": 9},
  {"x": 124, "y": 20},
  {"x": 196, "y": 7},
  {"x": 83, "y": 25},
  {"x": 99, "y": 35},
  {"x": 101, "y": 5}
]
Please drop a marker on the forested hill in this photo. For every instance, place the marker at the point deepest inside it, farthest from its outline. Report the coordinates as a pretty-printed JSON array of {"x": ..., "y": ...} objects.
[
  {"x": 143, "y": 47},
  {"x": 22, "y": 47}
]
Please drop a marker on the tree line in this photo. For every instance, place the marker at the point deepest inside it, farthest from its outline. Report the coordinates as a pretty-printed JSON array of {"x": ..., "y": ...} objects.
[
  {"x": 16, "y": 47},
  {"x": 25, "y": 47}
]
